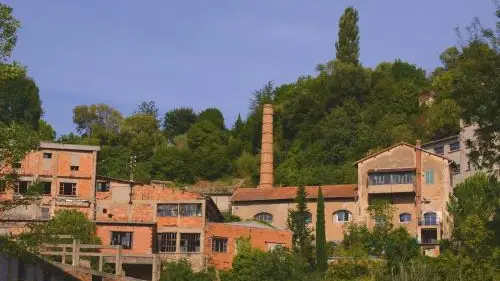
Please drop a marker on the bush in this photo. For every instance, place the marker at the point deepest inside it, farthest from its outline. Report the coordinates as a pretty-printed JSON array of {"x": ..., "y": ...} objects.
[{"x": 181, "y": 271}]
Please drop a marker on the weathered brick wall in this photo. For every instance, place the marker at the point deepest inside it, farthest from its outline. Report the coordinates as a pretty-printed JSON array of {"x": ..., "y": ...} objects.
[
  {"x": 141, "y": 238},
  {"x": 259, "y": 238}
]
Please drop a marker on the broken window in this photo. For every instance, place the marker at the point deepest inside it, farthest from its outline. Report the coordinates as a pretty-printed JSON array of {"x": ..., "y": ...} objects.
[
  {"x": 219, "y": 245},
  {"x": 167, "y": 242},
  {"x": 121, "y": 238},
  {"x": 103, "y": 186},
  {"x": 21, "y": 187},
  {"x": 190, "y": 210},
  {"x": 167, "y": 210},
  {"x": 47, "y": 186},
  {"x": 190, "y": 242},
  {"x": 67, "y": 189}
]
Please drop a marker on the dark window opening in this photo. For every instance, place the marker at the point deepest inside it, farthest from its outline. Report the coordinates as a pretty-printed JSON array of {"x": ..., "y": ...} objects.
[
  {"x": 16, "y": 165},
  {"x": 21, "y": 271},
  {"x": 74, "y": 168},
  {"x": 405, "y": 217},
  {"x": 190, "y": 210},
  {"x": 190, "y": 242},
  {"x": 265, "y": 217},
  {"x": 456, "y": 169},
  {"x": 429, "y": 236},
  {"x": 3, "y": 186},
  {"x": 439, "y": 150},
  {"x": 391, "y": 178},
  {"x": 103, "y": 186},
  {"x": 430, "y": 219},
  {"x": 219, "y": 245},
  {"x": 167, "y": 210},
  {"x": 309, "y": 217},
  {"x": 21, "y": 187},
  {"x": 67, "y": 189},
  {"x": 122, "y": 238},
  {"x": 45, "y": 213},
  {"x": 454, "y": 146},
  {"x": 47, "y": 155},
  {"x": 47, "y": 187},
  {"x": 167, "y": 242}
]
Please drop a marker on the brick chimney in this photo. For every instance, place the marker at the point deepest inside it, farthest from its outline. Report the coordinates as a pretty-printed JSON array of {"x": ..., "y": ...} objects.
[
  {"x": 418, "y": 179},
  {"x": 266, "y": 153}
]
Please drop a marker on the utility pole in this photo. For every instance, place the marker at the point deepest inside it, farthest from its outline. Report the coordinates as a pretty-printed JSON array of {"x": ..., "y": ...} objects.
[{"x": 132, "y": 164}]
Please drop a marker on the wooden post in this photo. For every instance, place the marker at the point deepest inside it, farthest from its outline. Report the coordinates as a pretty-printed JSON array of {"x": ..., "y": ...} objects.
[
  {"x": 64, "y": 255},
  {"x": 118, "y": 261},
  {"x": 73, "y": 254},
  {"x": 77, "y": 252},
  {"x": 101, "y": 261}
]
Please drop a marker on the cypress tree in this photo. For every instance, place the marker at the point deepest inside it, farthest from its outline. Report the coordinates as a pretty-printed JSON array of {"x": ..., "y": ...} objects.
[
  {"x": 297, "y": 223},
  {"x": 347, "y": 45},
  {"x": 321, "y": 251}
]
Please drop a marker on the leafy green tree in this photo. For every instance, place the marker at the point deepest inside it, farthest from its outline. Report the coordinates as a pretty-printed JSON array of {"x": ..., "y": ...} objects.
[
  {"x": 8, "y": 31},
  {"x": 46, "y": 132},
  {"x": 297, "y": 223},
  {"x": 141, "y": 134},
  {"x": 246, "y": 165},
  {"x": 348, "y": 38},
  {"x": 174, "y": 164},
  {"x": 181, "y": 271},
  {"x": 148, "y": 108},
  {"x": 114, "y": 161},
  {"x": 237, "y": 126},
  {"x": 178, "y": 121},
  {"x": 99, "y": 121},
  {"x": 19, "y": 100},
  {"x": 213, "y": 115},
  {"x": 321, "y": 250}
]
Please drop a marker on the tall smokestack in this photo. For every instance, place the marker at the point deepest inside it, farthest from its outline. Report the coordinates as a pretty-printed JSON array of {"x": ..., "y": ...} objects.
[{"x": 266, "y": 153}]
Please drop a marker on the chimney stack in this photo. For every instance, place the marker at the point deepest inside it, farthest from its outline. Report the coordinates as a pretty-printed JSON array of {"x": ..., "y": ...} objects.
[{"x": 266, "y": 153}]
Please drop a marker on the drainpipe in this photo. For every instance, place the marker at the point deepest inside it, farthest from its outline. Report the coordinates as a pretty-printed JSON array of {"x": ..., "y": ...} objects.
[{"x": 418, "y": 180}]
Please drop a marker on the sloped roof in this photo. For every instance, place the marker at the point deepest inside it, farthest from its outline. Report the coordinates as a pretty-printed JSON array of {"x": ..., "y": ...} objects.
[
  {"x": 402, "y": 144},
  {"x": 290, "y": 192}
]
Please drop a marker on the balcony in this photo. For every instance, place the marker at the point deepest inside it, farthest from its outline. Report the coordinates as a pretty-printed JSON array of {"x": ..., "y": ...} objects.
[
  {"x": 391, "y": 188},
  {"x": 429, "y": 221}
]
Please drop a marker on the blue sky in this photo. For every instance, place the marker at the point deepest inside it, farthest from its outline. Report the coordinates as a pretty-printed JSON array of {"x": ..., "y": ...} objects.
[{"x": 212, "y": 53}]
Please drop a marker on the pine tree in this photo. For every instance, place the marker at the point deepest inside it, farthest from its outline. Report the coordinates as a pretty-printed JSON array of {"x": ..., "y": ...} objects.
[
  {"x": 348, "y": 37},
  {"x": 238, "y": 126},
  {"x": 297, "y": 223},
  {"x": 321, "y": 251}
]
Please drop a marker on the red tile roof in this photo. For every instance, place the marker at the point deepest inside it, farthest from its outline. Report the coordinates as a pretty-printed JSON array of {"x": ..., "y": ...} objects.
[{"x": 289, "y": 193}]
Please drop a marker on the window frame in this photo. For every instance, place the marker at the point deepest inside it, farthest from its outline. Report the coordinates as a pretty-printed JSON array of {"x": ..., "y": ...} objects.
[
  {"x": 429, "y": 176},
  {"x": 42, "y": 213},
  {"x": 99, "y": 186},
  {"x": 391, "y": 178},
  {"x": 74, "y": 189},
  {"x": 402, "y": 215},
  {"x": 439, "y": 150},
  {"x": 185, "y": 210},
  {"x": 167, "y": 212},
  {"x": 308, "y": 217},
  {"x": 118, "y": 240},
  {"x": 262, "y": 214},
  {"x": 453, "y": 144},
  {"x": 17, "y": 186},
  {"x": 190, "y": 241},
  {"x": 44, "y": 184},
  {"x": 164, "y": 242},
  {"x": 47, "y": 155},
  {"x": 456, "y": 170},
  {"x": 219, "y": 244},
  {"x": 74, "y": 168},
  {"x": 336, "y": 215}
]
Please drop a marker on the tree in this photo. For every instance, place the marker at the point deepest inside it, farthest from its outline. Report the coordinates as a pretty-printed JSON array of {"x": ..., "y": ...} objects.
[
  {"x": 148, "y": 108},
  {"x": 19, "y": 100},
  {"x": 97, "y": 121},
  {"x": 46, "y": 132},
  {"x": 347, "y": 45},
  {"x": 8, "y": 31},
  {"x": 297, "y": 223},
  {"x": 321, "y": 250},
  {"x": 213, "y": 115},
  {"x": 178, "y": 121},
  {"x": 237, "y": 126},
  {"x": 181, "y": 271}
]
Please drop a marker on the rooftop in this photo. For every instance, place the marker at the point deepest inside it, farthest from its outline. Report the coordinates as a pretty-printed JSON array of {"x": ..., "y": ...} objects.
[
  {"x": 289, "y": 193},
  {"x": 77, "y": 147}
]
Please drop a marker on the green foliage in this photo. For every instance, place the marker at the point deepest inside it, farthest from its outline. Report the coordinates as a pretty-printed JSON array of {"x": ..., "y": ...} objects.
[
  {"x": 348, "y": 38},
  {"x": 246, "y": 165},
  {"x": 8, "y": 31},
  {"x": 321, "y": 250},
  {"x": 99, "y": 121},
  {"x": 297, "y": 223},
  {"x": 229, "y": 217},
  {"x": 181, "y": 271},
  {"x": 46, "y": 132},
  {"x": 178, "y": 121},
  {"x": 212, "y": 115}
]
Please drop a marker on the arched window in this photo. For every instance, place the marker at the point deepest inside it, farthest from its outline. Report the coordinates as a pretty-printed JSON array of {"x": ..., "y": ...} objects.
[
  {"x": 430, "y": 218},
  {"x": 309, "y": 218},
  {"x": 265, "y": 217},
  {"x": 342, "y": 216},
  {"x": 404, "y": 217}
]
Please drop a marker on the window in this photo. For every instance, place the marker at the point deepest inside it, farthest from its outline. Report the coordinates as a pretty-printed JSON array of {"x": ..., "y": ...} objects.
[
  {"x": 167, "y": 242},
  {"x": 74, "y": 168},
  {"x": 47, "y": 187},
  {"x": 430, "y": 218},
  {"x": 190, "y": 242},
  {"x": 167, "y": 210},
  {"x": 190, "y": 210},
  {"x": 468, "y": 166},
  {"x": 391, "y": 178},
  {"x": 21, "y": 270},
  {"x": 67, "y": 189},
  {"x": 429, "y": 176},
  {"x": 122, "y": 238},
  {"x": 21, "y": 187},
  {"x": 3, "y": 186},
  {"x": 405, "y": 217},
  {"x": 309, "y": 217},
  {"x": 103, "y": 186},
  {"x": 265, "y": 217},
  {"x": 439, "y": 150},
  {"x": 45, "y": 214},
  {"x": 456, "y": 169},
  {"x": 379, "y": 220},
  {"x": 16, "y": 165},
  {"x": 342, "y": 216},
  {"x": 47, "y": 155},
  {"x": 273, "y": 246},
  {"x": 454, "y": 146},
  {"x": 219, "y": 245}
]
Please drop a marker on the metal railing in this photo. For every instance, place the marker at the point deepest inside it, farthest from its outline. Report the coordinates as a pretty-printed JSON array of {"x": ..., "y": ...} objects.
[{"x": 429, "y": 221}]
